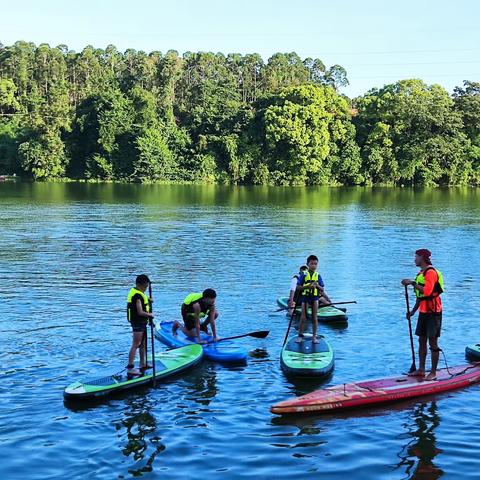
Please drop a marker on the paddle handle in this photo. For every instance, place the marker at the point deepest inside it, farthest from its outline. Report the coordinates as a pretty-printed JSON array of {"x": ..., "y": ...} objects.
[
  {"x": 407, "y": 302},
  {"x": 151, "y": 335}
]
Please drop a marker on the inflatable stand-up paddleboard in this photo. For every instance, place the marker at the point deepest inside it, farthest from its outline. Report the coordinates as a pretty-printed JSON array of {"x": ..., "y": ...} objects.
[
  {"x": 223, "y": 352},
  {"x": 383, "y": 390},
  {"x": 307, "y": 359},
  {"x": 324, "y": 314},
  {"x": 167, "y": 364}
]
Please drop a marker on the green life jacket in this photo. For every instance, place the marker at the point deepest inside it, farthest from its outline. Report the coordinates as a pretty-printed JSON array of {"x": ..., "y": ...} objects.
[
  {"x": 132, "y": 314},
  {"x": 307, "y": 280},
  {"x": 192, "y": 298},
  {"x": 438, "y": 289}
]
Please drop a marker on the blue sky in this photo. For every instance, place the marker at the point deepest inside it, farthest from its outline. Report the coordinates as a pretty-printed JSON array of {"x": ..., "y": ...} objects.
[{"x": 377, "y": 41}]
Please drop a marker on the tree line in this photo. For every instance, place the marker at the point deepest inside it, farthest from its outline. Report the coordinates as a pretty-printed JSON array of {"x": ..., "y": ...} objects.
[{"x": 208, "y": 117}]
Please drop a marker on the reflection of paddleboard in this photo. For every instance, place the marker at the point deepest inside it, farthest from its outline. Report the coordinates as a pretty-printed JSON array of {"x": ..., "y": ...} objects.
[
  {"x": 166, "y": 364},
  {"x": 222, "y": 352},
  {"x": 325, "y": 314},
  {"x": 372, "y": 392},
  {"x": 307, "y": 359}
]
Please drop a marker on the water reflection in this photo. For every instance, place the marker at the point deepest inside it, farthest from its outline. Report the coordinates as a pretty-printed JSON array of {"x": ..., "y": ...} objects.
[
  {"x": 142, "y": 443},
  {"x": 418, "y": 454}
]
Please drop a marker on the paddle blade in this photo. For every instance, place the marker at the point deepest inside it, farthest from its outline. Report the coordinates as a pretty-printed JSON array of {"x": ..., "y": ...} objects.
[{"x": 260, "y": 334}]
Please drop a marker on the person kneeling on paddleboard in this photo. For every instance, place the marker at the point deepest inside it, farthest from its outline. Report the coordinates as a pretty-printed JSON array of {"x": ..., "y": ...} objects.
[
  {"x": 138, "y": 314},
  {"x": 428, "y": 286},
  {"x": 194, "y": 307},
  {"x": 293, "y": 297},
  {"x": 311, "y": 286}
]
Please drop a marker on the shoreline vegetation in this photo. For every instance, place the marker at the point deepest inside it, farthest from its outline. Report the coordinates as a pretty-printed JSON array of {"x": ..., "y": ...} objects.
[{"x": 101, "y": 115}]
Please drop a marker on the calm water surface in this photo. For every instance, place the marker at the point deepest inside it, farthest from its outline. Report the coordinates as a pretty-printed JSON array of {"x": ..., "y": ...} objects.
[{"x": 69, "y": 254}]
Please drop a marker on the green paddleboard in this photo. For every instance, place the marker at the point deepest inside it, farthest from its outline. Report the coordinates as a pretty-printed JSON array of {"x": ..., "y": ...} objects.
[
  {"x": 167, "y": 363},
  {"x": 325, "y": 314},
  {"x": 307, "y": 359}
]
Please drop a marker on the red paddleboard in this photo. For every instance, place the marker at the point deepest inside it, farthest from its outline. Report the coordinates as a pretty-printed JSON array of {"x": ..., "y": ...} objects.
[{"x": 382, "y": 390}]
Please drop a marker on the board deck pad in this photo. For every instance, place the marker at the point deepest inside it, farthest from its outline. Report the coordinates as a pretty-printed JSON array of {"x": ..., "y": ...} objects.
[
  {"x": 382, "y": 390},
  {"x": 124, "y": 376}
]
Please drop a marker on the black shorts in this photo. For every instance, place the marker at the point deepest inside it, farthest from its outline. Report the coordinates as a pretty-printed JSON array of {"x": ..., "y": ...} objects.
[
  {"x": 429, "y": 325},
  {"x": 139, "y": 327}
]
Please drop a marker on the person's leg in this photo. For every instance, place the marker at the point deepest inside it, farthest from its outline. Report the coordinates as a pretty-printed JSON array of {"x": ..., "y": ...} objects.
[
  {"x": 143, "y": 353},
  {"x": 303, "y": 319},
  {"x": 435, "y": 353},
  {"x": 314, "y": 320},
  {"x": 136, "y": 342},
  {"x": 422, "y": 353}
]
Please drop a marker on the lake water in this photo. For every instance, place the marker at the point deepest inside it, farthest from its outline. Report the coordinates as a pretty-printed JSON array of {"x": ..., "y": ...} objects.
[{"x": 70, "y": 252}]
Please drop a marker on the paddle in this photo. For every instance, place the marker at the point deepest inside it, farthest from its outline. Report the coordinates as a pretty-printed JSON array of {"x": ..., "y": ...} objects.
[
  {"x": 151, "y": 334},
  {"x": 259, "y": 334},
  {"x": 320, "y": 306},
  {"x": 407, "y": 301},
  {"x": 292, "y": 316}
]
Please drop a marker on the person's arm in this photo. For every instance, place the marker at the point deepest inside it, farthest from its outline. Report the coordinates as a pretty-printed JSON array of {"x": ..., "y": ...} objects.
[
  {"x": 413, "y": 311},
  {"x": 213, "y": 323},
  {"x": 140, "y": 311}
]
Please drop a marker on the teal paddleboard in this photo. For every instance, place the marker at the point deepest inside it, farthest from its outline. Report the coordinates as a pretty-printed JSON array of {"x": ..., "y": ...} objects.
[
  {"x": 307, "y": 359},
  {"x": 166, "y": 364}
]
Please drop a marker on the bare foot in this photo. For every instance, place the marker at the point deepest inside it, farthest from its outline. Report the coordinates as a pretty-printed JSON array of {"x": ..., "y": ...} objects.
[
  {"x": 133, "y": 372},
  {"x": 145, "y": 367},
  {"x": 417, "y": 373},
  {"x": 431, "y": 376},
  {"x": 315, "y": 339},
  {"x": 299, "y": 339}
]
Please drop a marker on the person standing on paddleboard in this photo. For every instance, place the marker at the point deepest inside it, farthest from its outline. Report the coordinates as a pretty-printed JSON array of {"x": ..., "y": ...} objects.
[
  {"x": 428, "y": 286},
  {"x": 312, "y": 289},
  {"x": 294, "y": 293},
  {"x": 138, "y": 314},
  {"x": 194, "y": 307}
]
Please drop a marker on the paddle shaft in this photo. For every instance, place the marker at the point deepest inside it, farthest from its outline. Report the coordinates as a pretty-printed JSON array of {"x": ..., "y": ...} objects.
[
  {"x": 292, "y": 316},
  {"x": 151, "y": 335},
  {"x": 322, "y": 306},
  {"x": 407, "y": 301},
  {"x": 259, "y": 334}
]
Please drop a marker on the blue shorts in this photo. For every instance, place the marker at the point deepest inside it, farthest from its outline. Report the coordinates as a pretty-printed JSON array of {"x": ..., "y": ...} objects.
[{"x": 310, "y": 298}]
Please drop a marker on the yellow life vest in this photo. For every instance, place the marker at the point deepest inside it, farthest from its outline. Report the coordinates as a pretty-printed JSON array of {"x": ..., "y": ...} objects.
[
  {"x": 192, "y": 298},
  {"x": 307, "y": 280},
  {"x": 131, "y": 307},
  {"x": 438, "y": 289}
]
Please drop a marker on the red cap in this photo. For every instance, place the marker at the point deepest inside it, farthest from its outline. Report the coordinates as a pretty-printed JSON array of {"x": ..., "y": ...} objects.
[{"x": 425, "y": 253}]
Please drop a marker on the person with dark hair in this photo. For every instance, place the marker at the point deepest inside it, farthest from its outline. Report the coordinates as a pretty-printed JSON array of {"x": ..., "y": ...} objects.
[
  {"x": 294, "y": 293},
  {"x": 138, "y": 314},
  {"x": 428, "y": 286},
  {"x": 195, "y": 307},
  {"x": 312, "y": 289}
]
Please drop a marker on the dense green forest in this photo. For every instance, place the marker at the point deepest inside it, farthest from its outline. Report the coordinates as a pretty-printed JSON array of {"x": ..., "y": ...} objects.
[{"x": 208, "y": 117}]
